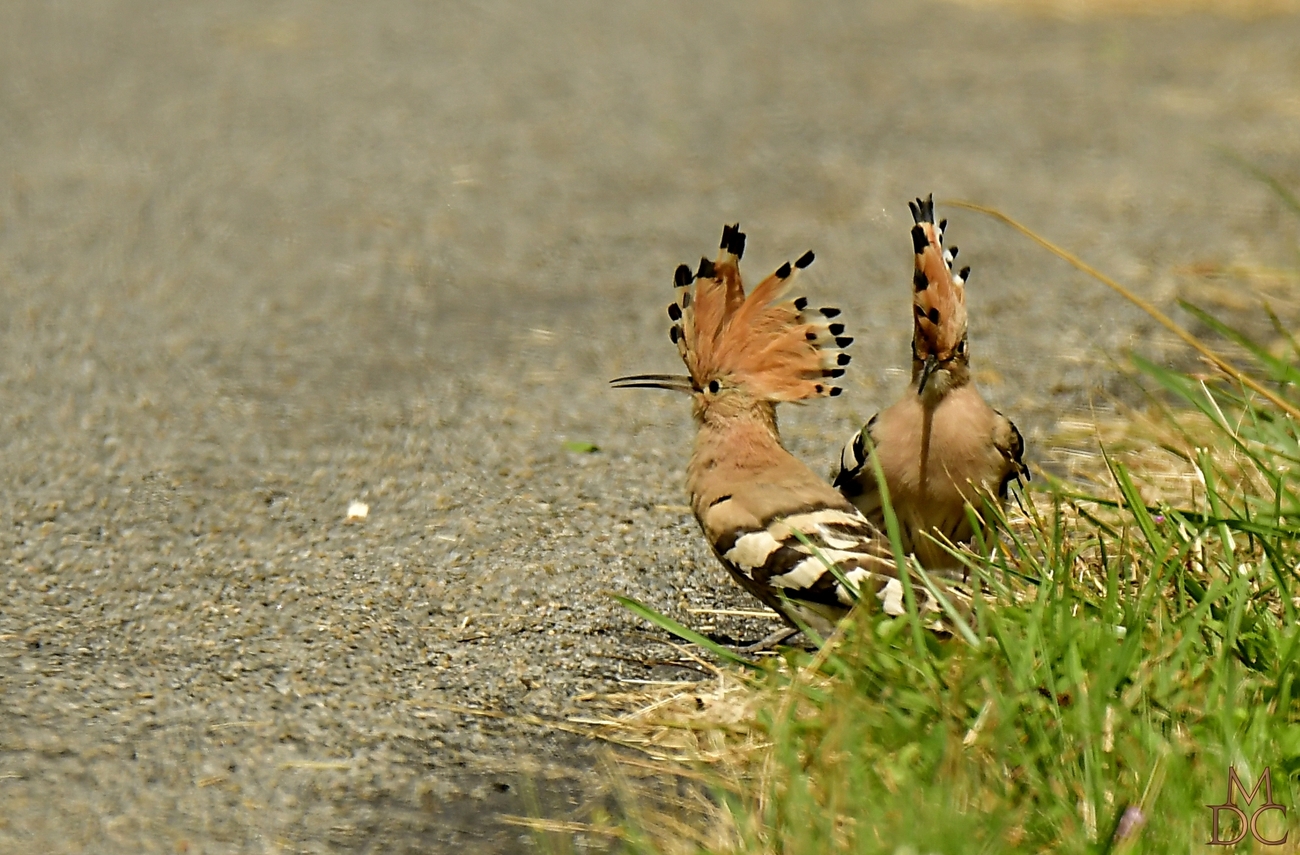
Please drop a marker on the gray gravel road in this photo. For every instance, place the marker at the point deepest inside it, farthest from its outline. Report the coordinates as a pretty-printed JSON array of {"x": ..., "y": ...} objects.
[{"x": 261, "y": 260}]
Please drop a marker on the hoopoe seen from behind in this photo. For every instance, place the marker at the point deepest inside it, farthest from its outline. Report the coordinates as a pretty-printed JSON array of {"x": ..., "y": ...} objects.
[
  {"x": 941, "y": 445},
  {"x": 752, "y": 498}
]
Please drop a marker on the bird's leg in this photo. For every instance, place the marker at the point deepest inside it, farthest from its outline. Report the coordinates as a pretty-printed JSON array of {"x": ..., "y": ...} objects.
[{"x": 771, "y": 641}]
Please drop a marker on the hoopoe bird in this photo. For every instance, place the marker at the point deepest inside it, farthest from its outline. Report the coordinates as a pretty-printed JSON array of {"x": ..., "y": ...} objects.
[
  {"x": 941, "y": 445},
  {"x": 753, "y": 499}
]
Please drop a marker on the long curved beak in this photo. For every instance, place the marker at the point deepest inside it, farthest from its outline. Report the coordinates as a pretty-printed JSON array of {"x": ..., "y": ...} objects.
[
  {"x": 931, "y": 362},
  {"x": 671, "y": 382}
]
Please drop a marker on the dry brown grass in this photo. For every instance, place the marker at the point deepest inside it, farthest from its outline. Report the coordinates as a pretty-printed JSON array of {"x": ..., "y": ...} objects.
[
  {"x": 687, "y": 746},
  {"x": 1146, "y": 8}
]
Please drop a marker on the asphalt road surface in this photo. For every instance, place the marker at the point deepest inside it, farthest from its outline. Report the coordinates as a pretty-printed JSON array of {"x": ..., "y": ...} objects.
[{"x": 259, "y": 261}]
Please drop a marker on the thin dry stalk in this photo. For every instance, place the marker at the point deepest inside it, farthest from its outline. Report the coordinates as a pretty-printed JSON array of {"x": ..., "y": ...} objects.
[{"x": 1145, "y": 305}]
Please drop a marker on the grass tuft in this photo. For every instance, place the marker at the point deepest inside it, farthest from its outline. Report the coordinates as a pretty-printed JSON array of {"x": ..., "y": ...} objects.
[{"x": 1136, "y": 635}]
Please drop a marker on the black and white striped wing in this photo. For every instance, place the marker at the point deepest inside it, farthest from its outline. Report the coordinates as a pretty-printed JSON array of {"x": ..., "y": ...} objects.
[
  {"x": 775, "y": 559},
  {"x": 855, "y": 480},
  {"x": 1011, "y": 445}
]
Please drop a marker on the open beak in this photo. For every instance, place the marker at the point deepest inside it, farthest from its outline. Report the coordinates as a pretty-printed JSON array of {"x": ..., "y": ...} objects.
[
  {"x": 671, "y": 382},
  {"x": 931, "y": 362}
]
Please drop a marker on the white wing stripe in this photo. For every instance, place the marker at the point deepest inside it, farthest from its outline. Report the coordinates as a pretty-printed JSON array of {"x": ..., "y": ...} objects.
[
  {"x": 891, "y": 598},
  {"x": 836, "y": 542},
  {"x": 812, "y": 521},
  {"x": 803, "y": 575},
  {"x": 753, "y": 549}
]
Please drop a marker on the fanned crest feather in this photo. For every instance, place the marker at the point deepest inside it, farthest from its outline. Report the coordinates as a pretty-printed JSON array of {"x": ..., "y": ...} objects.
[
  {"x": 939, "y": 295},
  {"x": 769, "y": 342},
  {"x": 767, "y": 517}
]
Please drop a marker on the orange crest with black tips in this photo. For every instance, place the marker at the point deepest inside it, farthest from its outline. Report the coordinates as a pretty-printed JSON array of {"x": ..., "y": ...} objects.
[
  {"x": 939, "y": 295},
  {"x": 769, "y": 343}
]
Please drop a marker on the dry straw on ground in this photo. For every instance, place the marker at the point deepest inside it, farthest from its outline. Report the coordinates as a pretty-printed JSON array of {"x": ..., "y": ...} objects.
[
  {"x": 1100, "y": 8},
  {"x": 685, "y": 744},
  {"x": 684, "y": 749}
]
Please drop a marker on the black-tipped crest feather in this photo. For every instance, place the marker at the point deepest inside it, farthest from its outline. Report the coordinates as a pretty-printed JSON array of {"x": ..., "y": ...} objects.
[
  {"x": 683, "y": 276},
  {"x": 764, "y": 342}
]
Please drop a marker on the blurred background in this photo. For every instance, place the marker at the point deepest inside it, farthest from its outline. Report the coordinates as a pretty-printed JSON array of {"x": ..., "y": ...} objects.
[{"x": 260, "y": 261}]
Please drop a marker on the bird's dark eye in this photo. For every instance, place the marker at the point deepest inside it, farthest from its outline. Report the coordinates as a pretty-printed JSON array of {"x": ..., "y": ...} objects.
[
  {"x": 961, "y": 347},
  {"x": 714, "y": 386}
]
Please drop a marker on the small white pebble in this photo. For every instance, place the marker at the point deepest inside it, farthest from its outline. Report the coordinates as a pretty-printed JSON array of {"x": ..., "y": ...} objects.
[{"x": 358, "y": 511}]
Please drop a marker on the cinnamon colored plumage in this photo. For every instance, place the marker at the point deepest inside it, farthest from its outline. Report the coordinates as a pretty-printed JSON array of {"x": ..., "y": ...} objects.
[
  {"x": 941, "y": 445},
  {"x": 745, "y": 354}
]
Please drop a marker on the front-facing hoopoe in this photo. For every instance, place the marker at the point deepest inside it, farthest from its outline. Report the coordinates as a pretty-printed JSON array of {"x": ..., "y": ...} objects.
[
  {"x": 746, "y": 354},
  {"x": 941, "y": 445}
]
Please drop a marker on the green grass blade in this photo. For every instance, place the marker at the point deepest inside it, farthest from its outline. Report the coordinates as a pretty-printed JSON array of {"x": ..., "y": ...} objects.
[
  {"x": 685, "y": 633},
  {"x": 949, "y": 609},
  {"x": 1282, "y": 371},
  {"x": 833, "y": 568},
  {"x": 900, "y": 562},
  {"x": 1137, "y": 507},
  {"x": 1279, "y": 189}
]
